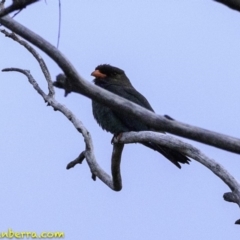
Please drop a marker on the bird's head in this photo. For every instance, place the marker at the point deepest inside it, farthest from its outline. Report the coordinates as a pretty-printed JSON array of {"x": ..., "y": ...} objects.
[{"x": 108, "y": 73}]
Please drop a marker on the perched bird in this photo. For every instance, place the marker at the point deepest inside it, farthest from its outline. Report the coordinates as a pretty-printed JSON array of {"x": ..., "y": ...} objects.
[{"x": 115, "y": 80}]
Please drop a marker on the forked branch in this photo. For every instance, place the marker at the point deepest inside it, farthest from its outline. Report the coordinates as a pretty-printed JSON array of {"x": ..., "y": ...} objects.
[
  {"x": 77, "y": 84},
  {"x": 88, "y": 153},
  {"x": 113, "y": 182},
  {"x": 113, "y": 101},
  {"x": 190, "y": 151}
]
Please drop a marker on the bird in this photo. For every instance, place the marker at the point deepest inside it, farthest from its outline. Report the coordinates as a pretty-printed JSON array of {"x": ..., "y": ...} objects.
[{"x": 114, "y": 79}]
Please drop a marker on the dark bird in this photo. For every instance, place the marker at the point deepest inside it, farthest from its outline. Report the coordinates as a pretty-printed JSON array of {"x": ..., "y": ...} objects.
[{"x": 115, "y": 80}]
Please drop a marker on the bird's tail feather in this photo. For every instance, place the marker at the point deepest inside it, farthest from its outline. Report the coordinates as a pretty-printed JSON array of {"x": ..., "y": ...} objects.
[{"x": 174, "y": 156}]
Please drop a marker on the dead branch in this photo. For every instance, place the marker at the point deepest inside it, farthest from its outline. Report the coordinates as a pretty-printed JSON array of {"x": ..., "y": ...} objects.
[
  {"x": 190, "y": 151},
  {"x": 37, "y": 57},
  {"x": 88, "y": 153},
  {"x": 113, "y": 101},
  {"x": 114, "y": 182},
  {"x": 130, "y": 137},
  {"x": 16, "y": 5},
  {"x": 73, "y": 82}
]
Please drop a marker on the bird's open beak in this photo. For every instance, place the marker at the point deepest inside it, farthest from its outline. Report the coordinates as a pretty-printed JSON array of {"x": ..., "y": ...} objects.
[{"x": 98, "y": 74}]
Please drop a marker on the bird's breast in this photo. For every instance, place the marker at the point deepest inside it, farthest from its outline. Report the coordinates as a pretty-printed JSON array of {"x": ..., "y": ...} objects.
[{"x": 107, "y": 119}]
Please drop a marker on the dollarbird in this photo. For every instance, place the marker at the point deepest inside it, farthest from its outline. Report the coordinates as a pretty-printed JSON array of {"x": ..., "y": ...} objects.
[{"x": 114, "y": 79}]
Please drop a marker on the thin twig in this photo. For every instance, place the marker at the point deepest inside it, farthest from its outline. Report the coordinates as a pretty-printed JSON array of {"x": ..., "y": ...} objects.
[
  {"x": 59, "y": 22},
  {"x": 16, "y": 5},
  {"x": 41, "y": 62},
  {"x": 76, "y": 161},
  {"x": 88, "y": 153}
]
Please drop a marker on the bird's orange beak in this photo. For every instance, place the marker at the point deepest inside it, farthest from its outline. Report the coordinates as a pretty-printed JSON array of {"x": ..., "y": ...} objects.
[{"x": 98, "y": 74}]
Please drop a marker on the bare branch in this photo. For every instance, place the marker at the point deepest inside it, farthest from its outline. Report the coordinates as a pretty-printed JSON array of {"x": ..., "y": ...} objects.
[
  {"x": 88, "y": 153},
  {"x": 190, "y": 151},
  {"x": 233, "y": 4},
  {"x": 113, "y": 101},
  {"x": 36, "y": 56},
  {"x": 75, "y": 83},
  {"x": 132, "y": 137},
  {"x": 81, "y": 86},
  {"x": 30, "y": 79},
  {"x": 2, "y": 2},
  {"x": 76, "y": 161},
  {"x": 116, "y": 161},
  {"x": 16, "y": 5},
  {"x": 96, "y": 170},
  {"x": 116, "y": 182}
]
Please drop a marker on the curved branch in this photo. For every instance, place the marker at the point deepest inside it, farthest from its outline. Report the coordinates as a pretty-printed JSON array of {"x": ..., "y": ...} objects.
[
  {"x": 16, "y": 5},
  {"x": 190, "y": 151},
  {"x": 116, "y": 161},
  {"x": 115, "y": 182},
  {"x": 113, "y": 101},
  {"x": 42, "y": 64},
  {"x": 132, "y": 137},
  {"x": 79, "y": 85}
]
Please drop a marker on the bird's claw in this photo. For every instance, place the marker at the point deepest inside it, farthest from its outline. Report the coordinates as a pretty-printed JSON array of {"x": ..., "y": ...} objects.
[{"x": 116, "y": 137}]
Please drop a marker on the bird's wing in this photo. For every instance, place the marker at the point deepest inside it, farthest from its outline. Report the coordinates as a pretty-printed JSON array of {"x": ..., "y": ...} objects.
[
  {"x": 133, "y": 95},
  {"x": 134, "y": 124}
]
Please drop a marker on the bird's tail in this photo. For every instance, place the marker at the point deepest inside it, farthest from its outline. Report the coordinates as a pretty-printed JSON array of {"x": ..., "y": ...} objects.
[{"x": 174, "y": 156}]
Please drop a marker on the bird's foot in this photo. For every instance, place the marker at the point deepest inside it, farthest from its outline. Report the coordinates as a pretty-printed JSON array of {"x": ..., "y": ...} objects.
[{"x": 116, "y": 137}]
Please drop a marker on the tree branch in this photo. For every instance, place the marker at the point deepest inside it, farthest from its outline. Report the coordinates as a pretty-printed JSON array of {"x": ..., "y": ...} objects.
[
  {"x": 113, "y": 101},
  {"x": 74, "y": 82},
  {"x": 115, "y": 183},
  {"x": 39, "y": 59},
  {"x": 96, "y": 170},
  {"x": 132, "y": 137},
  {"x": 233, "y": 4},
  {"x": 16, "y": 5},
  {"x": 190, "y": 151}
]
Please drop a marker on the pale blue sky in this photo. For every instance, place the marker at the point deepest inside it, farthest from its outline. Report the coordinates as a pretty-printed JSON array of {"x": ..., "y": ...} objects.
[{"x": 184, "y": 57}]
